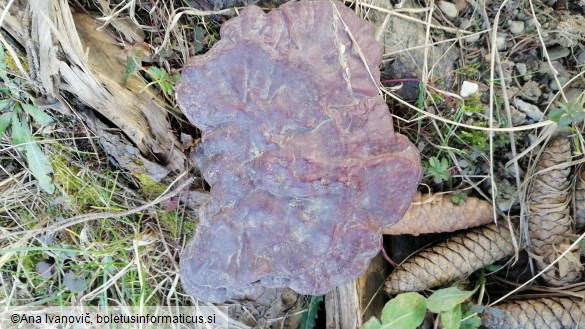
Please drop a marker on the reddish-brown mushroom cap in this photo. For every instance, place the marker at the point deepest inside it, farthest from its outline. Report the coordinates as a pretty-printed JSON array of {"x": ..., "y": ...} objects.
[{"x": 299, "y": 150}]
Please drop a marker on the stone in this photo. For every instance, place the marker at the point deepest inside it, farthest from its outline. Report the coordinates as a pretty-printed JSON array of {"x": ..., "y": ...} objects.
[
  {"x": 516, "y": 27},
  {"x": 468, "y": 88},
  {"x": 557, "y": 52},
  {"x": 449, "y": 9},
  {"x": 530, "y": 91},
  {"x": 501, "y": 41},
  {"x": 531, "y": 110},
  {"x": 521, "y": 68}
]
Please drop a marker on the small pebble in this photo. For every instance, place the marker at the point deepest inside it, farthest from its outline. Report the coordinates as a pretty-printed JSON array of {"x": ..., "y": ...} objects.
[
  {"x": 532, "y": 111},
  {"x": 44, "y": 269},
  {"x": 501, "y": 41},
  {"x": 553, "y": 84},
  {"x": 449, "y": 9},
  {"x": 518, "y": 118},
  {"x": 521, "y": 68},
  {"x": 581, "y": 58},
  {"x": 573, "y": 94},
  {"x": 468, "y": 88},
  {"x": 531, "y": 91},
  {"x": 557, "y": 52},
  {"x": 465, "y": 23},
  {"x": 472, "y": 38},
  {"x": 516, "y": 27},
  {"x": 531, "y": 24}
]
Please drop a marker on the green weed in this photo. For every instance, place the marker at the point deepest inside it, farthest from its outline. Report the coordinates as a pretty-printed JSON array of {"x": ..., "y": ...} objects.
[
  {"x": 408, "y": 310},
  {"x": 17, "y": 116},
  {"x": 438, "y": 169}
]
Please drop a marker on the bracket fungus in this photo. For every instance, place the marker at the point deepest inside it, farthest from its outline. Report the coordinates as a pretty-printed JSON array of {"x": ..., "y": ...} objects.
[{"x": 299, "y": 150}]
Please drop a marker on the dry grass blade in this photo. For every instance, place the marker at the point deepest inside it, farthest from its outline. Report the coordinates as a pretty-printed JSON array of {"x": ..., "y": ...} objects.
[
  {"x": 542, "y": 313},
  {"x": 451, "y": 260},
  {"x": 550, "y": 223},
  {"x": 437, "y": 213}
]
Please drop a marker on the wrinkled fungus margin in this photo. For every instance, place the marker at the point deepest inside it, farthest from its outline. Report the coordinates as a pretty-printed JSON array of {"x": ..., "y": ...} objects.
[{"x": 299, "y": 150}]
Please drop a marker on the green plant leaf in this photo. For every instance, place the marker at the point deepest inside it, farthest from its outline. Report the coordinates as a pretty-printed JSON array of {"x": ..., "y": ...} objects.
[
  {"x": 556, "y": 114},
  {"x": 198, "y": 38},
  {"x": 493, "y": 268},
  {"x": 4, "y": 122},
  {"x": 459, "y": 198},
  {"x": 4, "y": 104},
  {"x": 131, "y": 67},
  {"x": 438, "y": 169},
  {"x": 567, "y": 113},
  {"x": 37, "y": 162},
  {"x": 404, "y": 311},
  {"x": 39, "y": 165},
  {"x": 20, "y": 133},
  {"x": 473, "y": 322},
  {"x": 470, "y": 318},
  {"x": 372, "y": 323},
  {"x": 451, "y": 319},
  {"x": 446, "y": 299},
  {"x": 162, "y": 78},
  {"x": 37, "y": 114},
  {"x": 3, "y": 66},
  {"x": 309, "y": 318},
  {"x": 155, "y": 73}
]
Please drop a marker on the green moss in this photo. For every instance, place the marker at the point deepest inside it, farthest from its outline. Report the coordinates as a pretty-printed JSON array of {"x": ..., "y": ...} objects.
[
  {"x": 171, "y": 222},
  {"x": 473, "y": 104},
  {"x": 84, "y": 191},
  {"x": 148, "y": 187},
  {"x": 469, "y": 71}
]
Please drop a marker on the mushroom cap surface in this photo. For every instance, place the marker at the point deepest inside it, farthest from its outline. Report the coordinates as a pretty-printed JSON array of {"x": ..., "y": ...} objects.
[{"x": 299, "y": 150}]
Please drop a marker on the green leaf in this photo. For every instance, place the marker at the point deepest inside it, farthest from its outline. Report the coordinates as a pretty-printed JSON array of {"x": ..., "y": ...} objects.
[
  {"x": 564, "y": 121},
  {"x": 3, "y": 66},
  {"x": 471, "y": 320},
  {"x": 471, "y": 323},
  {"x": 37, "y": 162},
  {"x": 459, "y": 198},
  {"x": 404, "y": 311},
  {"x": 372, "y": 323},
  {"x": 162, "y": 78},
  {"x": 156, "y": 73},
  {"x": 451, "y": 319},
  {"x": 4, "y": 122},
  {"x": 37, "y": 114},
  {"x": 309, "y": 317},
  {"x": 39, "y": 165},
  {"x": 20, "y": 133},
  {"x": 494, "y": 268},
  {"x": 198, "y": 38},
  {"x": 131, "y": 67},
  {"x": 438, "y": 169},
  {"x": 444, "y": 300},
  {"x": 434, "y": 162},
  {"x": 5, "y": 103}
]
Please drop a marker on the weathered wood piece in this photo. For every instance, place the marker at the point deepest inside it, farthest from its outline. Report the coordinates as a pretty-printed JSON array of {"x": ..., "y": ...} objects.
[
  {"x": 69, "y": 59},
  {"x": 351, "y": 305}
]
